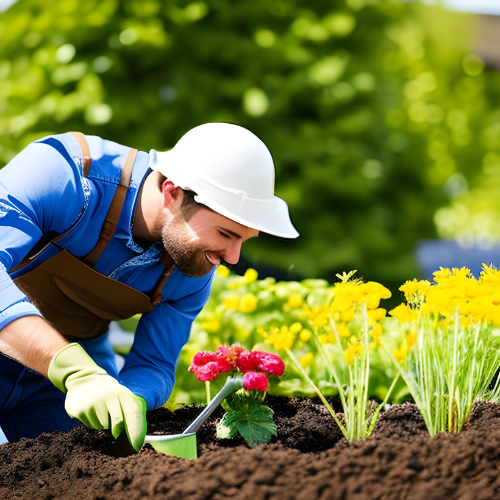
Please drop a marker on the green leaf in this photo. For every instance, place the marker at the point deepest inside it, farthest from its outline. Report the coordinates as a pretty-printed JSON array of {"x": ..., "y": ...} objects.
[
  {"x": 224, "y": 430},
  {"x": 256, "y": 425}
]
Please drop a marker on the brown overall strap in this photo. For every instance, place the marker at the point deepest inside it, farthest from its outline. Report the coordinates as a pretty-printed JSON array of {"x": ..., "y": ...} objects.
[
  {"x": 109, "y": 226},
  {"x": 167, "y": 271},
  {"x": 86, "y": 159}
]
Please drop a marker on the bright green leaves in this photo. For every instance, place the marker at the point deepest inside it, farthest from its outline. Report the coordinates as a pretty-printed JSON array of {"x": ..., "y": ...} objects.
[{"x": 248, "y": 416}]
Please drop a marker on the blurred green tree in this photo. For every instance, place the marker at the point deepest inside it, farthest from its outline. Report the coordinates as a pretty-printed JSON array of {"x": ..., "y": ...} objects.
[{"x": 369, "y": 106}]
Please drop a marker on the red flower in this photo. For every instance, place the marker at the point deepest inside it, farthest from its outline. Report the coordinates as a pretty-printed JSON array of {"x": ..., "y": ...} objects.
[
  {"x": 229, "y": 351},
  {"x": 227, "y": 357},
  {"x": 249, "y": 360},
  {"x": 224, "y": 364},
  {"x": 206, "y": 372},
  {"x": 271, "y": 363},
  {"x": 255, "y": 381},
  {"x": 202, "y": 358}
]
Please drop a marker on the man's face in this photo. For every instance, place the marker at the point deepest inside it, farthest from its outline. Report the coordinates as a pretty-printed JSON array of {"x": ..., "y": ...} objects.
[{"x": 201, "y": 243}]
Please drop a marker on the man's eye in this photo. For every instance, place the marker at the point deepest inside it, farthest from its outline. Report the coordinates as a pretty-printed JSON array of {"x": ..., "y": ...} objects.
[{"x": 224, "y": 234}]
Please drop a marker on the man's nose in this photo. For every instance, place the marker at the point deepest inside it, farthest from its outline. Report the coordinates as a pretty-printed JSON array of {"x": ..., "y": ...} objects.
[{"x": 232, "y": 253}]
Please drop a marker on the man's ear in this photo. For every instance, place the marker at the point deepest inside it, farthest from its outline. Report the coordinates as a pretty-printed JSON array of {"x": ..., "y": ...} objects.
[{"x": 170, "y": 192}]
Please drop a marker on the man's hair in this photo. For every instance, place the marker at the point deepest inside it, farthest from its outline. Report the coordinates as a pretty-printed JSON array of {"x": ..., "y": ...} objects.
[{"x": 189, "y": 205}]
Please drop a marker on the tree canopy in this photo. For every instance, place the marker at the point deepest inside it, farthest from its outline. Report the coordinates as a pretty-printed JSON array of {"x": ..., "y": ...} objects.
[{"x": 376, "y": 116}]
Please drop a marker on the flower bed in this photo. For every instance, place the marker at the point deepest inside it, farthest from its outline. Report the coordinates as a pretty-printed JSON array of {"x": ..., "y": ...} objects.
[{"x": 309, "y": 459}]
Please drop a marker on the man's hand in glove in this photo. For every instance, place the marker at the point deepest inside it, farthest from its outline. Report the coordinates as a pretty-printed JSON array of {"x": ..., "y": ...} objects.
[{"x": 95, "y": 398}]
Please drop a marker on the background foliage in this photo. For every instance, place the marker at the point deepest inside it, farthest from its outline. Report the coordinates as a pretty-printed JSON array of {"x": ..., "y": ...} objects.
[{"x": 375, "y": 114}]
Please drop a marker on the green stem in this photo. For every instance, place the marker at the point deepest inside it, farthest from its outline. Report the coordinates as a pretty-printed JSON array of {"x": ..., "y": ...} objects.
[
  {"x": 333, "y": 372},
  {"x": 207, "y": 389},
  {"x": 451, "y": 393},
  {"x": 366, "y": 366}
]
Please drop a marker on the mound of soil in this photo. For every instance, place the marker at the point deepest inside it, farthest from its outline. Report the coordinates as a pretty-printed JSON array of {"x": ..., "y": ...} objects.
[{"x": 308, "y": 460}]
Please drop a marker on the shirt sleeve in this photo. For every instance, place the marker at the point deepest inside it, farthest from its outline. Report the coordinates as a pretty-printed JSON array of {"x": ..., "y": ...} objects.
[
  {"x": 149, "y": 369},
  {"x": 40, "y": 193}
]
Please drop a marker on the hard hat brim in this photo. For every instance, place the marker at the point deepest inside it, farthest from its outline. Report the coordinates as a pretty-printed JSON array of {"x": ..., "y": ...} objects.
[{"x": 276, "y": 221}]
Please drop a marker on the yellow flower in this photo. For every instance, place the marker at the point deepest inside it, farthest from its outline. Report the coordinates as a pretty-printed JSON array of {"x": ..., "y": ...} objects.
[
  {"x": 295, "y": 300},
  {"x": 490, "y": 274},
  {"x": 442, "y": 275},
  {"x": 305, "y": 335},
  {"x": 399, "y": 355},
  {"x": 375, "y": 315},
  {"x": 415, "y": 290},
  {"x": 343, "y": 330},
  {"x": 465, "y": 321},
  {"x": 296, "y": 327},
  {"x": 306, "y": 359},
  {"x": 280, "y": 338},
  {"x": 232, "y": 302},
  {"x": 326, "y": 339},
  {"x": 404, "y": 313},
  {"x": 375, "y": 332},
  {"x": 223, "y": 271},
  {"x": 351, "y": 352},
  {"x": 411, "y": 339},
  {"x": 319, "y": 321},
  {"x": 262, "y": 332},
  {"x": 408, "y": 342},
  {"x": 250, "y": 275},
  {"x": 346, "y": 315},
  {"x": 317, "y": 315},
  {"x": 248, "y": 303},
  {"x": 211, "y": 325},
  {"x": 373, "y": 292}
]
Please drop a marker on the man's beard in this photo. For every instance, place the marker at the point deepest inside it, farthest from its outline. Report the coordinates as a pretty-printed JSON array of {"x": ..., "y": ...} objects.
[{"x": 189, "y": 258}]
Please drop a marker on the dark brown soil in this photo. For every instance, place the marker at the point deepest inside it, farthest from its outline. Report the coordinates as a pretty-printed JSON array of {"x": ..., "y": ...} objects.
[{"x": 309, "y": 460}]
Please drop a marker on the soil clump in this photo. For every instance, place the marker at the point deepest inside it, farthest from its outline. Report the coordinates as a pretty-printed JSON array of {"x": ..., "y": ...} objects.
[{"x": 308, "y": 460}]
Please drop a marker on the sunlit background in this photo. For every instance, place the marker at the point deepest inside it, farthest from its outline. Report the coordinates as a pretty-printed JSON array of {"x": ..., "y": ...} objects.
[{"x": 383, "y": 116}]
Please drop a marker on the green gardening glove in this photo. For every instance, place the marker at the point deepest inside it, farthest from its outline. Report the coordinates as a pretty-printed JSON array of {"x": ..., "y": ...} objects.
[{"x": 95, "y": 398}]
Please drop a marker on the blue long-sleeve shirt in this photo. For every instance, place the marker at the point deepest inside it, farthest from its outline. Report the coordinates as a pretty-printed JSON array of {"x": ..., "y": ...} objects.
[{"x": 43, "y": 193}]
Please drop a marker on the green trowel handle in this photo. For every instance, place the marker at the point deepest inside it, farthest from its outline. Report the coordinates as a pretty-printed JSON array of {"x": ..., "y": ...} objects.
[{"x": 232, "y": 385}]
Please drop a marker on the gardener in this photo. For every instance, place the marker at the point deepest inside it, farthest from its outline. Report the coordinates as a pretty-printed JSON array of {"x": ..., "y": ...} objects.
[{"x": 92, "y": 231}]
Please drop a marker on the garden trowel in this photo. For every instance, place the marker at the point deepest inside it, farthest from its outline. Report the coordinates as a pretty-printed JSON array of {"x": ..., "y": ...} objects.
[{"x": 184, "y": 445}]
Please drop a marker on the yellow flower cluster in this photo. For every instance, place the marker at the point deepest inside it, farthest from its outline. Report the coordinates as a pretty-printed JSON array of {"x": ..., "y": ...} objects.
[
  {"x": 331, "y": 321},
  {"x": 453, "y": 290},
  {"x": 318, "y": 315},
  {"x": 283, "y": 337},
  {"x": 352, "y": 294},
  {"x": 415, "y": 291},
  {"x": 246, "y": 303},
  {"x": 279, "y": 338}
]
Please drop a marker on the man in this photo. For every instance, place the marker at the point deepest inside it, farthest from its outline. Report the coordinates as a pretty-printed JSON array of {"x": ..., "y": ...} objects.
[{"x": 92, "y": 231}]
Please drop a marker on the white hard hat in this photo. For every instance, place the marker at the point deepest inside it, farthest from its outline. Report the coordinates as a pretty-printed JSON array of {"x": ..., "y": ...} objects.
[{"x": 232, "y": 172}]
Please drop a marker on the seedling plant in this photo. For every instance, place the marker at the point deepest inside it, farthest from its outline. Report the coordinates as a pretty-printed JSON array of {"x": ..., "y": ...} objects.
[
  {"x": 451, "y": 349},
  {"x": 245, "y": 412}
]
